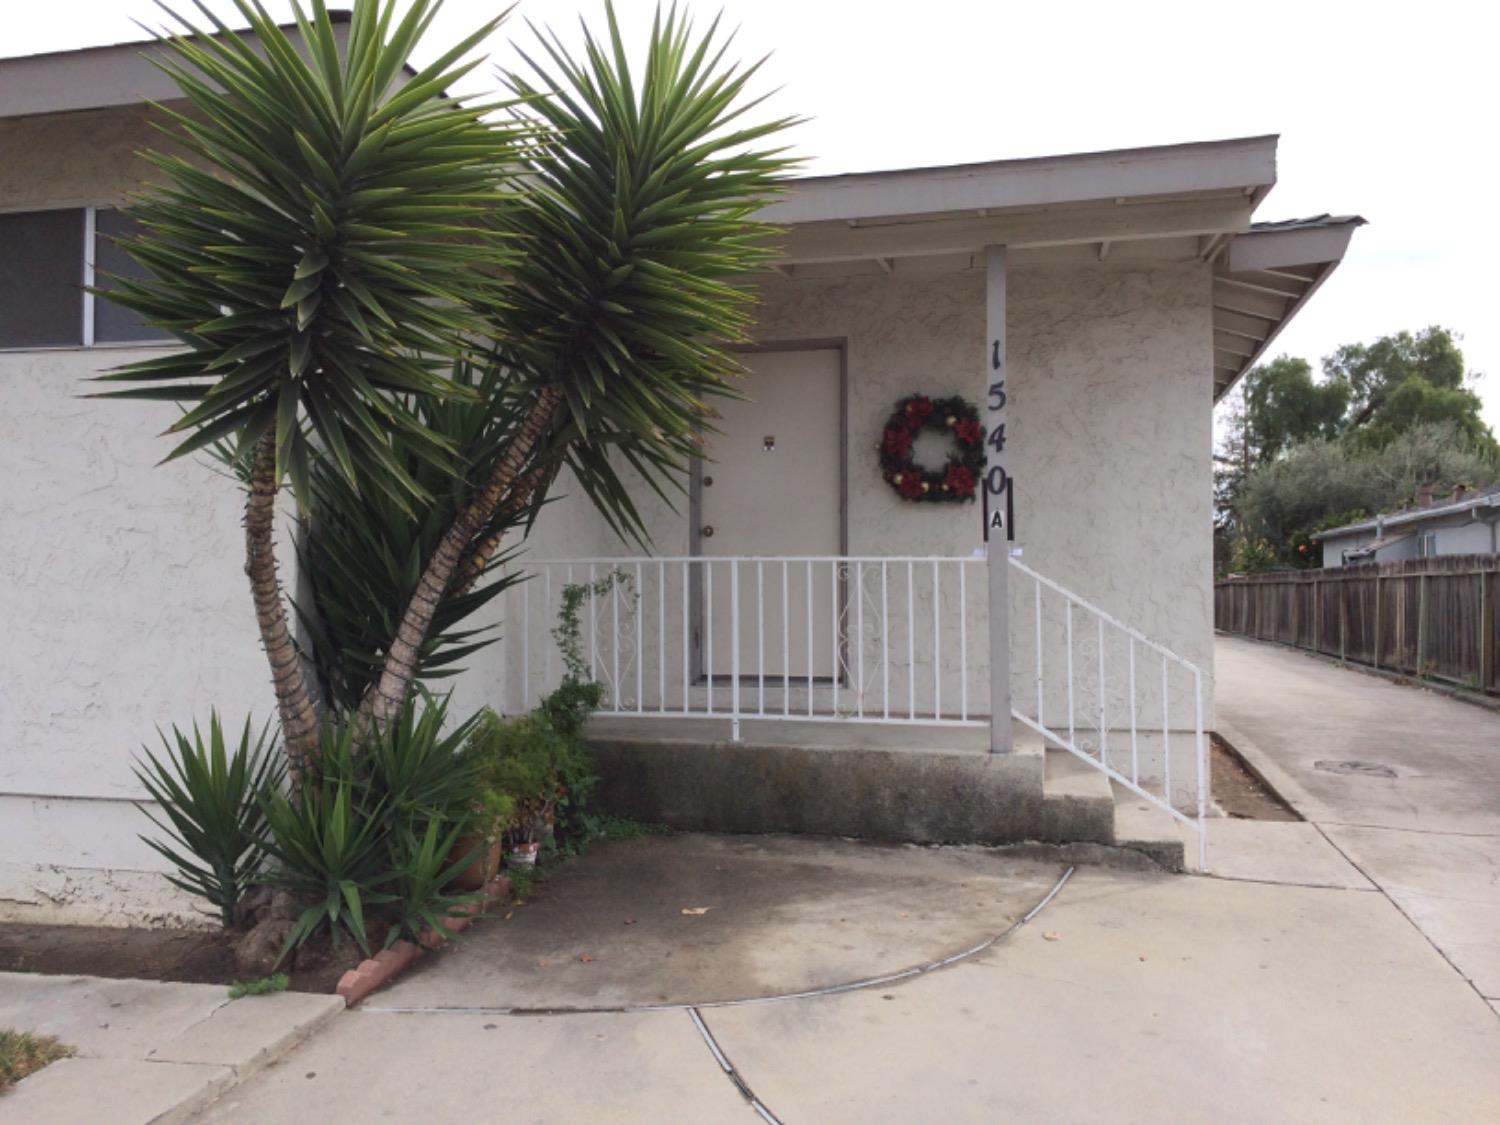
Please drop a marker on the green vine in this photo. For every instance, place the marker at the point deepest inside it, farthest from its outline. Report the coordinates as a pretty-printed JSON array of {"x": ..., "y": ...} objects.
[{"x": 568, "y": 633}]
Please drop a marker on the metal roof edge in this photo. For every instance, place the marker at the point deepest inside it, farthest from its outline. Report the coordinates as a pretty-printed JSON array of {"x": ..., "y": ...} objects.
[{"x": 1416, "y": 515}]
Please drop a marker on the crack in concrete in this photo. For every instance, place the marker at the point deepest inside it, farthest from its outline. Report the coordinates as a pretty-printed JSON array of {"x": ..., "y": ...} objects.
[{"x": 1418, "y": 831}]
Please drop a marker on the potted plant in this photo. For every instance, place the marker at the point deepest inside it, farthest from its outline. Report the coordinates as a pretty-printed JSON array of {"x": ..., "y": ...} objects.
[
  {"x": 492, "y": 813},
  {"x": 519, "y": 761}
]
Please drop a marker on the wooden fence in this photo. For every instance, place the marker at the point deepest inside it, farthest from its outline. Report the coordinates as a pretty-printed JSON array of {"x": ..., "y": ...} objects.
[{"x": 1431, "y": 617}]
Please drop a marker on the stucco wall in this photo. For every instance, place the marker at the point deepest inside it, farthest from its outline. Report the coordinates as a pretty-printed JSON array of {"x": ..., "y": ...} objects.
[
  {"x": 124, "y": 604},
  {"x": 74, "y": 159},
  {"x": 120, "y": 587}
]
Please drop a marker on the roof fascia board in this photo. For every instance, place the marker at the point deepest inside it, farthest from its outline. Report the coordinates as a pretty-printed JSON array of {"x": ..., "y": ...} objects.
[
  {"x": 1292, "y": 249},
  {"x": 1247, "y": 165},
  {"x": 1278, "y": 249},
  {"x": 101, "y": 77}
]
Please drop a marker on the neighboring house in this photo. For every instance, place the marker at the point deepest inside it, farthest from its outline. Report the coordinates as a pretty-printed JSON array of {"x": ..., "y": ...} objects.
[
  {"x": 1133, "y": 289},
  {"x": 1465, "y": 523}
]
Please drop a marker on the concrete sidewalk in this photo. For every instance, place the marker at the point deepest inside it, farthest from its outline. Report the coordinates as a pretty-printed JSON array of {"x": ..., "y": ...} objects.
[
  {"x": 1129, "y": 996},
  {"x": 1404, "y": 782},
  {"x": 146, "y": 1051}
]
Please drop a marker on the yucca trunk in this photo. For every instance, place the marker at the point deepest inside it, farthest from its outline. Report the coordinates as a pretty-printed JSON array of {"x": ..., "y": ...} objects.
[
  {"x": 477, "y": 559},
  {"x": 388, "y": 693},
  {"x": 299, "y": 718}
]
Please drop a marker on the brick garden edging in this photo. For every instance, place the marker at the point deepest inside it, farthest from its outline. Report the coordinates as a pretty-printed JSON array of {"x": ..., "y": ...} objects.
[{"x": 379, "y": 970}]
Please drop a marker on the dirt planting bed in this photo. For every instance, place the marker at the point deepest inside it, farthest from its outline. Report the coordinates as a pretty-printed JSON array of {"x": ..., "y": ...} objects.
[
  {"x": 1239, "y": 792},
  {"x": 187, "y": 956}
]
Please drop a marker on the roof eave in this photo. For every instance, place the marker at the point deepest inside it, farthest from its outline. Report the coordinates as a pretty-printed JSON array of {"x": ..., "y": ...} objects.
[
  {"x": 1262, "y": 281},
  {"x": 1244, "y": 164}
]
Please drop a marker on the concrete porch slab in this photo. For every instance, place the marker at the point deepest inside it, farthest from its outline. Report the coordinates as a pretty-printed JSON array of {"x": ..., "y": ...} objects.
[
  {"x": 849, "y": 734},
  {"x": 697, "y": 919},
  {"x": 899, "y": 794}
]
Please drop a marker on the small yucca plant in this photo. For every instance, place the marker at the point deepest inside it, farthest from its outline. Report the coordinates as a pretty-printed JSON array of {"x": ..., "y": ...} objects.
[{"x": 211, "y": 808}]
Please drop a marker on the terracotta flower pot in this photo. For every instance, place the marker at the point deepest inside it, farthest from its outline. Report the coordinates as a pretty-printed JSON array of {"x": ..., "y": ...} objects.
[{"x": 484, "y": 866}]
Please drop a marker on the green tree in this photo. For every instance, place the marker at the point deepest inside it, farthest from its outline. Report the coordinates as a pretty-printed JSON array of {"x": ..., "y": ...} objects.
[
  {"x": 1323, "y": 483},
  {"x": 1372, "y": 371},
  {"x": 1407, "y": 380},
  {"x": 342, "y": 235},
  {"x": 1285, "y": 406}
]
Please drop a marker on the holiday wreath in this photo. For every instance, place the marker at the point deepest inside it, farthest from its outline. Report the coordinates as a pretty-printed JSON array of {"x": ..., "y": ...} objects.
[{"x": 959, "y": 476}]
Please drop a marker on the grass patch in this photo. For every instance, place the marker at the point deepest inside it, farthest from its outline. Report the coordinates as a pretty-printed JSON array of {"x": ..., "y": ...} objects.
[
  {"x": 277, "y": 982},
  {"x": 22, "y": 1053}
]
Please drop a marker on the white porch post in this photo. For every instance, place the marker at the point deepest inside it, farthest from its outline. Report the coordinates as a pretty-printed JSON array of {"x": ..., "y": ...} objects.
[{"x": 997, "y": 495}]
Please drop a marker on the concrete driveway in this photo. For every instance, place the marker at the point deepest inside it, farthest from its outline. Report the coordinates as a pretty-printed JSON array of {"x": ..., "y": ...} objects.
[
  {"x": 1404, "y": 782},
  {"x": 1120, "y": 995}
]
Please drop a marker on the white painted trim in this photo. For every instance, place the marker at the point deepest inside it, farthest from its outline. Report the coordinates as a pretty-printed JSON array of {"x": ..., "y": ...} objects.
[
  {"x": 90, "y": 251},
  {"x": 1246, "y": 165},
  {"x": 1273, "y": 249}
]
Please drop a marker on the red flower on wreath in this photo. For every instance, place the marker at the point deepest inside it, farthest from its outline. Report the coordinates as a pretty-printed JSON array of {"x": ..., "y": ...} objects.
[
  {"x": 968, "y": 431},
  {"x": 911, "y": 486},
  {"x": 897, "y": 442},
  {"x": 959, "y": 481},
  {"x": 918, "y": 408}
]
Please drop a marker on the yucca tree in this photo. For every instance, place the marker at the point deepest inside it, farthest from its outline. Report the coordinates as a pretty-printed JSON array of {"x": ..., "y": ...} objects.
[
  {"x": 322, "y": 244},
  {"x": 340, "y": 234},
  {"x": 364, "y": 554},
  {"x": 635, "y": 222}
]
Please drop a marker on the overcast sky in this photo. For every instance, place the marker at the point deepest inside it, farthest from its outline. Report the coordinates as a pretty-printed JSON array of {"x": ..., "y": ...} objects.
[{"x": 1385, "y": 110}]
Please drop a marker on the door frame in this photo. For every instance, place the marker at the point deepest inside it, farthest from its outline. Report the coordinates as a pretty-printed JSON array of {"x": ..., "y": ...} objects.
[{"x": 839, "y": 344}]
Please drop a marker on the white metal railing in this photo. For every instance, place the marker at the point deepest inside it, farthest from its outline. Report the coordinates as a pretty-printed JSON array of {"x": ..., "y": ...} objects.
[
  {"x": 1087, "y": 684},
  {"x": 813, "y": 639},
  {"x": 879, "y": 639}
]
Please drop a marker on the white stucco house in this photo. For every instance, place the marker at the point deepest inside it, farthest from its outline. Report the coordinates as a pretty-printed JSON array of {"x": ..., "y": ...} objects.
[
  {"x": 1463, "y": 523},
  {"x": 1094, "y": 305}
]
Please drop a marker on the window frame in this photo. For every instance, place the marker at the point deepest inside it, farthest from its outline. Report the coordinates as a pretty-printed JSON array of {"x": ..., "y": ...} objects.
[
  {"x": 1426, "y": 544},
  {"x": 86, "y": 312}
]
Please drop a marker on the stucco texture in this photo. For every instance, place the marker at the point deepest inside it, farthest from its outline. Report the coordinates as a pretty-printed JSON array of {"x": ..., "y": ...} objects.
[{"x": 121, "y": 584}]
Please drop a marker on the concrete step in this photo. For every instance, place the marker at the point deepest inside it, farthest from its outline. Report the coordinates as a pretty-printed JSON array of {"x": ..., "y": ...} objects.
[
  {"x": 1142, "y": 827},
  {"x": 1077, "y": 805}
]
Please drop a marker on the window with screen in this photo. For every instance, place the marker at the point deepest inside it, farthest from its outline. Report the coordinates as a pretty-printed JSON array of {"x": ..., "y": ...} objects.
[
  {"x": 41, "y": 278},
  {"x": 115, "y": 324}
]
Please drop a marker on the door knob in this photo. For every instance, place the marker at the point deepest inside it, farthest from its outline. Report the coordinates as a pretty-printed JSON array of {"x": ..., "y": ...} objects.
[{"x": 707, "y": 533}]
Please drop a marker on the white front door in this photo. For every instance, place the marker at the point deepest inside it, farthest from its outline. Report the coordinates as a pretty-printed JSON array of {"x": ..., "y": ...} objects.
[{"x": 772, "y": 490}]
